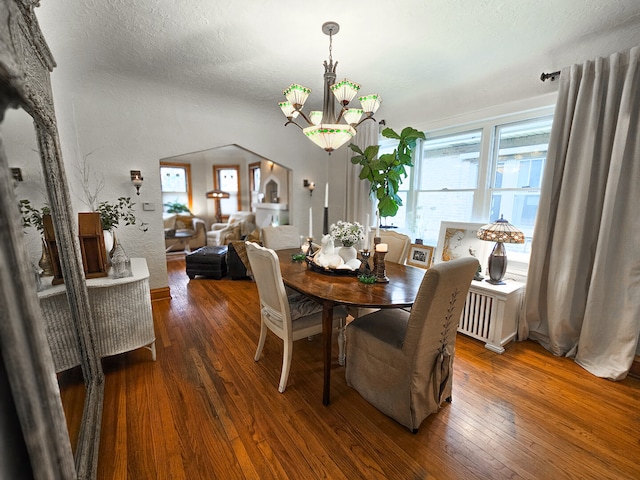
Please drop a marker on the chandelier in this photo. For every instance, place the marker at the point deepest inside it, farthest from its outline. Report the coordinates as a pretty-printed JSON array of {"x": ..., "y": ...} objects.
[{"x": 325, "y": 129}]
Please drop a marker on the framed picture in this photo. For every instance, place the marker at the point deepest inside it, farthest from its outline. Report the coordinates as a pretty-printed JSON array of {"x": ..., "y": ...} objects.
[
  {"x": 420, "y": 255},
  {"x": 458, "y": 239}
]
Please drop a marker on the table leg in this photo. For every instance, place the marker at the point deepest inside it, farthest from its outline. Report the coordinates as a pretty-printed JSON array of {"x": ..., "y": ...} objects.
[{"x": 327, "y": 331}]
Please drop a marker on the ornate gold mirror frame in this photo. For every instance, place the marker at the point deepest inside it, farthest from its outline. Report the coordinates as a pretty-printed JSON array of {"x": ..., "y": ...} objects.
[{"x": 26, "y": 363}]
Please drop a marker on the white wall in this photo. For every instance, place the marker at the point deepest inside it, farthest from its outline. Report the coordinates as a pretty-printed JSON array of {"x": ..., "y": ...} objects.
[{"x": 124, "y": 124}]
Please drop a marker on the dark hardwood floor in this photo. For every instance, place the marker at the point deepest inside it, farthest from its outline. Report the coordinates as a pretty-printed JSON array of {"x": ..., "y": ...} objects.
[{"x": 206, "y": 410}]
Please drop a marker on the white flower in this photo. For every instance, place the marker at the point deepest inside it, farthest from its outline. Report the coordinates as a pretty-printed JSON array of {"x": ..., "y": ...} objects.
[{"x": 346, "y": 232}]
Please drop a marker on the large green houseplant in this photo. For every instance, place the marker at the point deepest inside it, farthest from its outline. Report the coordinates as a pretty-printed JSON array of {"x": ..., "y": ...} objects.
[{"x": 386, "y": 172}]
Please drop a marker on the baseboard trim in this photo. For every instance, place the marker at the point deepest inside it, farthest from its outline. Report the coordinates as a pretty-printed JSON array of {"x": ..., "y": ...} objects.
[
  {"x": 635, "y": 367},
  {"x": 163, "y": 293}
]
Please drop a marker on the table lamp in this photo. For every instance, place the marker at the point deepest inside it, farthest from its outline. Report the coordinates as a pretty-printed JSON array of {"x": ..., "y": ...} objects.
[{"x": 501, "y": 232}]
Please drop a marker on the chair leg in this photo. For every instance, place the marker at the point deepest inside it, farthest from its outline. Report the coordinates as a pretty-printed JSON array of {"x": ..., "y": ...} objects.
[
  {"x": 263, "y": 336},
  {"x": 341, "y": 340},
  {"x": 286, "y": 364}
]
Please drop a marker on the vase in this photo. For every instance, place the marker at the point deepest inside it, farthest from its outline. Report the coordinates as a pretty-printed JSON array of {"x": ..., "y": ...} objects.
[
  {"x": 120, "y": 262},
  {"x": 347, "y": 253},
  {"x": 109, "y": 239},
  {"x": 45, "y": 261}
]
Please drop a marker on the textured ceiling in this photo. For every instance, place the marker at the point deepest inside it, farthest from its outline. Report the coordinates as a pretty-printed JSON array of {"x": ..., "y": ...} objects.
[{"x": 416, "y": 54}]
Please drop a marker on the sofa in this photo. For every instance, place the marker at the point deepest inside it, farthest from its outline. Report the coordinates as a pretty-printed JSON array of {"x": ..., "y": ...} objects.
[
  {"x": 184, "y": 223},
  {"x": 239, "y": 226}
]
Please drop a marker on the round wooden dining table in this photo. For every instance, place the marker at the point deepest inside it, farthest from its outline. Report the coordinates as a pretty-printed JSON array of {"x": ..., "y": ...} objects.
[{"x": 332, "y": 289}]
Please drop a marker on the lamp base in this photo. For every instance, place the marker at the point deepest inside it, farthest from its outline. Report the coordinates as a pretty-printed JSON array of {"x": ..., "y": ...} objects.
[{"x": 497, "y": 264}]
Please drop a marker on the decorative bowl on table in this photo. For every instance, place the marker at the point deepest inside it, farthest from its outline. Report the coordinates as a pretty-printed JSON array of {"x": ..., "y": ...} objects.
[{"x": 341, "y": 270}]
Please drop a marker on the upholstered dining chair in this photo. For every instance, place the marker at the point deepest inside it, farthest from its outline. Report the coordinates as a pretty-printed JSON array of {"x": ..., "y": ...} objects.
[
  {"x": 290, "y": 317},
  {"x": 398, "y": 244},
  {"x": 402, "y": 362},
  {"x": 281, "y": 237}
]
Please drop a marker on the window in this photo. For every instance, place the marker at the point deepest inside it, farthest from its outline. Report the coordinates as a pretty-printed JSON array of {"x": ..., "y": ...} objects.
[
  {"x": 227, "y": 179},
  {"x": 475, "y": 174},
  {"x": 518, "y": 162},
  {"x": 254, "y": 183},
  {"x": 175, "y": 183},
  {"x": 446, "y": 180}
]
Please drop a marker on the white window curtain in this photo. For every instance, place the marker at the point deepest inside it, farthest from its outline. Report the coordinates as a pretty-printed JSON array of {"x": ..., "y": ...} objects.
[
  {"x": 583, "y": 286},
  {"x": 358, "y": 201}
]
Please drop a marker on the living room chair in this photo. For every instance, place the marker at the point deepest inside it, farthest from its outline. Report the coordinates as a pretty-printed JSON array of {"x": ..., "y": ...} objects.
[
  {"x": 238, "y": 226},
  {"x": 281, "y": 237},
  {"x": 402, "y": 362},
  {"x": 290, "y": 317}
]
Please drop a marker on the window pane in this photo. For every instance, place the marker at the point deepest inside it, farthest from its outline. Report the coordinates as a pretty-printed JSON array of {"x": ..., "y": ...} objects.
[
  {"x": 450, "y": 161},
  {"x": 435, "y": 207},
  {"x": 228, "y": 178},
  {"x": 173, "y": 179},
  {"x": 522, "y": 150}
]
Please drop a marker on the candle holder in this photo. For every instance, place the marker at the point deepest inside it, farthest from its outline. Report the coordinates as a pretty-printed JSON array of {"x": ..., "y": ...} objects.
[
  {"x": 376, "y": 241},
  {"x": 310, "y": 250},
  {"x": 381, "y": 274},
  {"x": 364, "y": 263}
]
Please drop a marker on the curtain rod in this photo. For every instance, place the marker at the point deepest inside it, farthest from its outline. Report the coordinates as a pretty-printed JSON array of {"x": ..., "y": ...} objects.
[{"x": 552, "y": 76}]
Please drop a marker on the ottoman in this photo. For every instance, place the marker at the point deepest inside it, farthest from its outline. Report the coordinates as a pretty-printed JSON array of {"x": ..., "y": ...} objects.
[{"x": 207, "y": 261}]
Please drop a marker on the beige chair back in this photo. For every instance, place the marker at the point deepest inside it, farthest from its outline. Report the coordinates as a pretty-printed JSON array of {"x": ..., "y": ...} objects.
[
  {"x": 398, "y": 243},
  {"x": 281, "y": 237},
  {"x": 403, "y": 362},
  {"x": 274, "y": 306}
]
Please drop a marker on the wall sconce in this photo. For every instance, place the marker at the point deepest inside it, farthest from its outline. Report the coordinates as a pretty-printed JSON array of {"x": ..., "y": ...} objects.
[
  {"x": 16, "y": 174},
  {"x": 136, "y": 179},
  {"x": 271, "y": 166},
  {"x": 310, "y": 185}
]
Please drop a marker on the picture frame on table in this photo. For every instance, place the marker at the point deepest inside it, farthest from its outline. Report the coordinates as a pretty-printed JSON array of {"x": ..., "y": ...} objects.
[
  {"x": 420, "y": 255},
  {"x": 459, "y": 239}
]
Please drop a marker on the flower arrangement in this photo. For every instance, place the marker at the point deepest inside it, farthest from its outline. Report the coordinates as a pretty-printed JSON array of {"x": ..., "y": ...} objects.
[
  {"x": 346, "y": 232},
  {"x": 112, "y": 213}
]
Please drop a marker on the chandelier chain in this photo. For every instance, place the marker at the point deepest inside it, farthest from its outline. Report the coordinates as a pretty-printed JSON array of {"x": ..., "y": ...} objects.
[{"x": 330, "y": 46}]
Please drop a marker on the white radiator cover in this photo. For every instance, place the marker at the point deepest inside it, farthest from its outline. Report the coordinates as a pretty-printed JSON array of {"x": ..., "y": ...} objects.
[{"x": 491, "y": 313}]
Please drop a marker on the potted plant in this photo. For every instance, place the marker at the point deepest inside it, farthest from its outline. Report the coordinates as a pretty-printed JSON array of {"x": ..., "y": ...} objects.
[
  {"x": 348, "y": 234},
  {"x": 111, "y": 214},
  {"x": 177, "y": 207},
  {"x": 386, "y": 173}
]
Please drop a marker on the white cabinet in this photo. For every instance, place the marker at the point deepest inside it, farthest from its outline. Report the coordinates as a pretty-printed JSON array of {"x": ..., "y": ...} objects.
[
  {"x": 491, "y": 313},
  {"x": 121, "y": 312}
]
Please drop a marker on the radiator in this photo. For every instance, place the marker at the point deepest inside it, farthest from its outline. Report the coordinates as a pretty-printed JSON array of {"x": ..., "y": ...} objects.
[
  {"x": 475, "y": 319},
  {"x": 491, "y": 313}
]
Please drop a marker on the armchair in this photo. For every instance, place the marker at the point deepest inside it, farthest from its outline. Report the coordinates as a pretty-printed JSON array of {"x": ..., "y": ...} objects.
[
  {"x": 239, "y": 225},
  {"x": 184, "y": 223},
  {"x": 402, "y": 362}
]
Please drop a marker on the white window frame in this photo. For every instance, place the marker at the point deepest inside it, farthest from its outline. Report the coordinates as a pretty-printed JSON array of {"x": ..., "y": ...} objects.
[{"x": 518, "y": 263}]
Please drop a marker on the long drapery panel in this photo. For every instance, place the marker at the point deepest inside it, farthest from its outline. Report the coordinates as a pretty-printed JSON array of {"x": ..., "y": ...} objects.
[{"x": 583, "y": 285}]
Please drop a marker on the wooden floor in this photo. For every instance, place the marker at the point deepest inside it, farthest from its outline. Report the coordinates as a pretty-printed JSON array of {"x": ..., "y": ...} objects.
[{"x": 206, "y": 410}]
